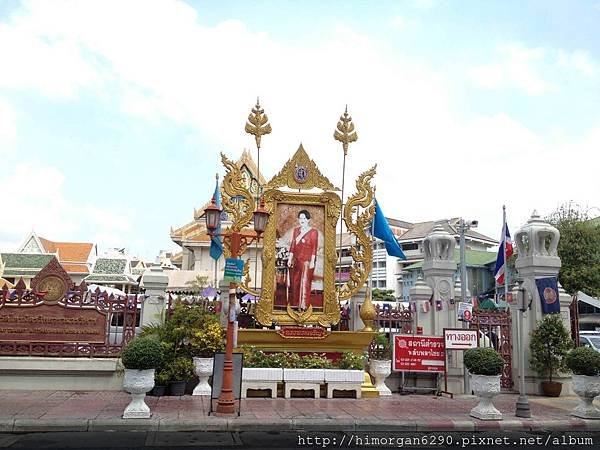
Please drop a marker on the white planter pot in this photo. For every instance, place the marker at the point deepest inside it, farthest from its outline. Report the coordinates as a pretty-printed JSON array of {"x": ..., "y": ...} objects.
[
  {"x": 344, "y": 376},
  {"x": 263, "y": 378},
  {"x": 204, "y": 369},
  {"x": 586, "y": 387},
  {"x": 137, "y": 383},
  {"x": 381, "y": 369},
  {"x": 262, "y": 374},
  {"x": 304, "y": 375},
  {"x": 485, "y": 387}
]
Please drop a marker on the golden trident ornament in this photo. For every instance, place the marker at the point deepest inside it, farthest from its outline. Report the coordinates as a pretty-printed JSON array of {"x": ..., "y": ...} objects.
[
  {"x": 345, "y": 134},
  {"x": 345, "y": 131},
  {"x": 257, "y": 124}
]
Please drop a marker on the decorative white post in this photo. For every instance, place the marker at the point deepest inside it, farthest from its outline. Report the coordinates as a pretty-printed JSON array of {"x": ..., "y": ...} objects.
[
  {"x": 155, "y": 281},
  {"x": 439, "y": 268},
  {"x": 537, "y": 243}
]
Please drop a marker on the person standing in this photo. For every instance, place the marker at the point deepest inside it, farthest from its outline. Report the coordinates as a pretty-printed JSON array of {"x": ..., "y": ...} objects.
[{"x": 301, "y": 261}]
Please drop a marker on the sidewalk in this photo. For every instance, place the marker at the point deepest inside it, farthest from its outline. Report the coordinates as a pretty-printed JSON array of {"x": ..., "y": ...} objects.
[{"x": 44, "y": 411}]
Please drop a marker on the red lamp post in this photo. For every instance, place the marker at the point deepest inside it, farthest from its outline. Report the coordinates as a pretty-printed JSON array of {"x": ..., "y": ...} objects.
[{"x": 212, "y": 215}]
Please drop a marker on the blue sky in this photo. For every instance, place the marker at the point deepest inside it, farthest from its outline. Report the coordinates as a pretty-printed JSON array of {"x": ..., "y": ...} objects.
[{"x": 113, "y": 113}]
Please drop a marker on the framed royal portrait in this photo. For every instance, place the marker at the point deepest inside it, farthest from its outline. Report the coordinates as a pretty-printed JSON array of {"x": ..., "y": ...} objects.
[{"x": 299, "y": 258}]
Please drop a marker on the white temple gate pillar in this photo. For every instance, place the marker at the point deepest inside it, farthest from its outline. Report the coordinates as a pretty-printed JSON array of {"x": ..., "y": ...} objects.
[
  {"x": 155, "y": 282},
  {"x": 537, "y": 243}
]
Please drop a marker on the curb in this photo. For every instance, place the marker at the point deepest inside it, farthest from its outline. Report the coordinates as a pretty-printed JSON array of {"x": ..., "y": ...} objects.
[{"x": 301, "y": 424}]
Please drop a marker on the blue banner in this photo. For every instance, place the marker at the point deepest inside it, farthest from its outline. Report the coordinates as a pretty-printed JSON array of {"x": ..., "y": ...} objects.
[
  {"x": 548, "y": 290},
  {"x": 381, "y": 230}
]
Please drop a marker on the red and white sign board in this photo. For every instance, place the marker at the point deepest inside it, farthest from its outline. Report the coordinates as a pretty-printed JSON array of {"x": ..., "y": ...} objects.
[
  {"x": 460, "y": 338},
  {"x": 417, "y": 353}
]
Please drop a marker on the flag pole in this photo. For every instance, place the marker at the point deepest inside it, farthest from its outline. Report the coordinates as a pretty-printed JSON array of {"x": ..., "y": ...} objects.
[{"x": 504, "y": 250}]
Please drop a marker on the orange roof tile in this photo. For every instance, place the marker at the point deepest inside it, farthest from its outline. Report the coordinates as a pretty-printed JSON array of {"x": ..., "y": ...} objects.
[
  {"x": 69, "y": 251},
  {"x": 75, "y": 268}
]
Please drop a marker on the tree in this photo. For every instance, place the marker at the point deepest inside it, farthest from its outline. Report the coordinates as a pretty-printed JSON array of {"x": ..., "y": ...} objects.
[
  {"x": 198, "y": 283},
  {"x": 548, "y": 346},
  {"x": 380, "y": 295},
  {"x": 578, "y": 248}
]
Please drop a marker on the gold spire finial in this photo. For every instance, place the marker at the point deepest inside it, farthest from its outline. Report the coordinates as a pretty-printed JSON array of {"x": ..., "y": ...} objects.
[
  {"x": 345, "y": 131},
  {"x": 257, "y": 124}
]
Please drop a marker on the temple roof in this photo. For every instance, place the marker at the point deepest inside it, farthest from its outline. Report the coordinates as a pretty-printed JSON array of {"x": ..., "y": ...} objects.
[
  {"x": 19, "y": 264},
  {"x": 111, "y": 270},
  {"x": 195, "y": 231},
  {"x": 73, "y": 256}
]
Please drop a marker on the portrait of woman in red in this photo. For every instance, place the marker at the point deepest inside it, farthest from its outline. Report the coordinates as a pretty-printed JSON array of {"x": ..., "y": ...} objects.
[{"x": 301, "y": 261}]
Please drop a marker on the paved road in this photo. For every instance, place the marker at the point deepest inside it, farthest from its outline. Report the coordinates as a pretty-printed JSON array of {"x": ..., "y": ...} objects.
[{"x": 493, "y": 439}]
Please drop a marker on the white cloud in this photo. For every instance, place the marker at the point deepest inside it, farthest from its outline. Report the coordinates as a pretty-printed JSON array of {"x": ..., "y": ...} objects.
[
  {"x": 516, "y": 66},
  {"x": 36, "y": 198},
  {"x": 398, "y": 23},
  {"x": 160, "y": 62},
  {"x": 578, "y": 60},
  {"x": 424, "y": 5},
  {"x": 8, "y": 127}
]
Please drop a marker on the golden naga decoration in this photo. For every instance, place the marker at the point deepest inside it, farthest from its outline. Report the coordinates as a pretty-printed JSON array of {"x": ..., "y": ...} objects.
[
  {"x": 300, "y": 172},
  {"x": 238, "y": 202},
  {"x": 237, "y": 199},
  {"x": 247, "y": 279},
  {"x": 257, "y": 124},
  {"x": 367, "y": 312},
  {"x": 345, "y": 131},
  {"x": 362, "y": 254}
]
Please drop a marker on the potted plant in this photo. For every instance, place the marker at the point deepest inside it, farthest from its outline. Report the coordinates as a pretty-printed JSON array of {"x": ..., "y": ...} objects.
[
  {"x": 181, "y": 371},
  {"x": 161, "y": 383},
  {"x": 584, "y": 362},
  {"x": 204, "y": 342},
  {"x": 485, "y": 366},
  {"x": 380, "y": 362},
  {"x": 348, "y": 374},
  {"x": 140, "y": 358},
  {"x": 550, "y": 341}
]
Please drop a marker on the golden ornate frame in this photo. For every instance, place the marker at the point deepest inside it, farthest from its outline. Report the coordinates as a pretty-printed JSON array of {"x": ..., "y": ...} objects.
[{"x": 265, "y": 313}]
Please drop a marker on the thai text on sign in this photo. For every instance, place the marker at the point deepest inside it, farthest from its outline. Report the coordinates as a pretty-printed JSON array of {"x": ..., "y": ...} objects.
[
  {"x": 234, "y": 269},
  {"x": 52, "y": 323},
  {"x": 418, "y": 353},
  {"x": 460, "y": 339}
]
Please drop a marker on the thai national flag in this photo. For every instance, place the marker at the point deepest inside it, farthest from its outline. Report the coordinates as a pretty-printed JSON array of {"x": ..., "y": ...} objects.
[{"x": 506, "y": 248}]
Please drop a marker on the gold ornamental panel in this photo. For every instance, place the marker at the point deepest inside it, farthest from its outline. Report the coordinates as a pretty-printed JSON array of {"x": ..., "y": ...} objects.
[{"x": 299, "y": 258}]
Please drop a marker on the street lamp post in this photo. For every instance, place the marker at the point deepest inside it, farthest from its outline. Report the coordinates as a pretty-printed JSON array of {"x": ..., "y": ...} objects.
[
  {"x": 522, "y": 408},
  {"x": 212, "y": 215},
  {"x": 463, "y": 226}
]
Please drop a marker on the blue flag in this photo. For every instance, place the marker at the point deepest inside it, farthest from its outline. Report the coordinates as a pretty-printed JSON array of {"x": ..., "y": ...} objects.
[
  {"x": 216, "y": 244},
  {"x": 548, "y": 290},
  {"x": 381, "y": 230}
]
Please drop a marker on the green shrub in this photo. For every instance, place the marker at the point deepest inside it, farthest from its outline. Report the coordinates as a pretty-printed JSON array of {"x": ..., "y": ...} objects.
[
  {"x": 351, "y": 361},
  {"x": 162, "y": 378},
  {"x": 583, "y": 361},
  {"x": 182, "y": 369},
  {"x": 550, "y": 341},
  {"x": 142, "y": 354},
  {"x": 483, "y": 361},
  {"x": 315, "y": 361},
  {"x": 189, "y": 331},
  {"x": 380, "y": 348},
  {"x": 207, "y": 340}
]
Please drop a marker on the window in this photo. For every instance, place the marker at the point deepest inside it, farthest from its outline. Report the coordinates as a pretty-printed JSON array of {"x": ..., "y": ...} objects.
[{"x": 410, "y": 246}]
